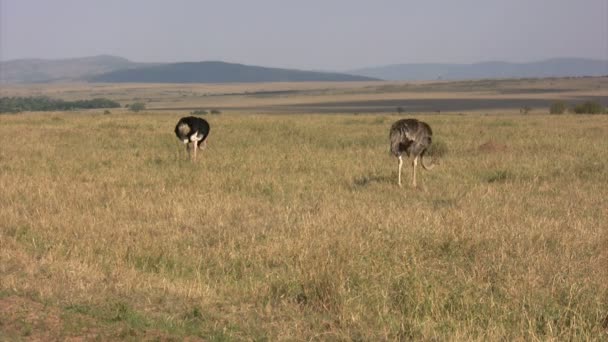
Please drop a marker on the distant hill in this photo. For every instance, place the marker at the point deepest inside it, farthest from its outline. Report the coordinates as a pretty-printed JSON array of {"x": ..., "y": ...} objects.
[
  {"x": 218, "y": 72},
  {"x": 73, "y": 69},
  {"x": 105, "y": 68},
  {"x": 557, "y": 67}
]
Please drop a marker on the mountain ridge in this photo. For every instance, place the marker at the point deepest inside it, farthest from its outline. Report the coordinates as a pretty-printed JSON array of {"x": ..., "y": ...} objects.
[{"x": 108, "y": 68}]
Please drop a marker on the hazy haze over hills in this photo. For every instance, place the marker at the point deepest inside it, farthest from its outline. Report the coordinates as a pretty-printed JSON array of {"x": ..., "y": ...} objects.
[
  {"x": 557, "y": 67},
  {"x": 71, "y": 69}
]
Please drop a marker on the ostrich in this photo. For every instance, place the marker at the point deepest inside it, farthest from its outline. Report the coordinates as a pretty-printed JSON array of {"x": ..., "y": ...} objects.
[
  {"x": 192, "y": 130},
  {"x": 414, "y": 138}
]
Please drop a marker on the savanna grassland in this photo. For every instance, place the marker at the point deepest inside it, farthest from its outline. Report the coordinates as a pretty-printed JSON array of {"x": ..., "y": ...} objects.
[{"x": 292, "y": 227}]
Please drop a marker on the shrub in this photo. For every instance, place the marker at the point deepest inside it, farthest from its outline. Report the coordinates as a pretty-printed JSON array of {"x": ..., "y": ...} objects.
[
  {"x": 198, "y": 112},
  {"x": 558, "y": 107},
  {"x": 137, "y": 106},
  {"x": 525, "y": 109},
  {"x": 588, "y": 107},
  {"x": 215, "y": 111}
]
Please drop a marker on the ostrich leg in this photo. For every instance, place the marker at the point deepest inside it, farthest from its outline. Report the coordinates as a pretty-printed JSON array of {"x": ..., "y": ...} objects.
[
  {"x": 414, "y": 164},
  {"x": 400, "y": 164}
]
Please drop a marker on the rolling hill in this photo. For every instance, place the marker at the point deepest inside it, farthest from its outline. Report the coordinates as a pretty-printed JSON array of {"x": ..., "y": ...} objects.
[
  {"x": 557, "y": 67},
  {"x": 219, "y": 72},
  {"x": 61, "y": 70}
]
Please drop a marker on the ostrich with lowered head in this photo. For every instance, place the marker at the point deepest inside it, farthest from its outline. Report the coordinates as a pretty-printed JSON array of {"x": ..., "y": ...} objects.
[
  {"x": 414, "y": 138},
  {"x": 192, "y": 131}
]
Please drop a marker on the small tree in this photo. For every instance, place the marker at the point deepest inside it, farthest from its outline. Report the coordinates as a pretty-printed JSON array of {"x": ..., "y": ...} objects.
[
  {"x": 558, "y": 107},
  {"x": 137, "y": 106}
]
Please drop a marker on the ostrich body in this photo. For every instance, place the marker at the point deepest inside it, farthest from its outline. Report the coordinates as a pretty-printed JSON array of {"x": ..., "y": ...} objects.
[
  {"x": 414, "y": 138},
  {"x": 192, "y": 131}
]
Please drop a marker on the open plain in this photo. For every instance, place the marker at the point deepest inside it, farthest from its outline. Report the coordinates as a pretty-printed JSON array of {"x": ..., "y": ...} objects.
[{"x": 291, "y": 226}]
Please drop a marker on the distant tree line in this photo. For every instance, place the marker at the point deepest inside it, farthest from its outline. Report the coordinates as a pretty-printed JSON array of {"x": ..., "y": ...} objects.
[{"x": 43, "y": 103}]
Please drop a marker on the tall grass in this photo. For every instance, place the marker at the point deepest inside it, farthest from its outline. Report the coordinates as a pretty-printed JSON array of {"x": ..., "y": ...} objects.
[{"x": 292, "y": 227}]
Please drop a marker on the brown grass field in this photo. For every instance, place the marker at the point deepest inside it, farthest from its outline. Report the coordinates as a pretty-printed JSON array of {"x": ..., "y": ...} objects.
[{"x": 292, "y": 227}]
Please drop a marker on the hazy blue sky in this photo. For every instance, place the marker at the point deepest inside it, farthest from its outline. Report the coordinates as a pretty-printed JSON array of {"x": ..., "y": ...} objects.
[{"x": 306, "y": 34}]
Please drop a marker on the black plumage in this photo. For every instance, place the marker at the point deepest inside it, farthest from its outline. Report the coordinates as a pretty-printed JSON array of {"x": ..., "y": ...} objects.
[{"x": 193, "y": 131}]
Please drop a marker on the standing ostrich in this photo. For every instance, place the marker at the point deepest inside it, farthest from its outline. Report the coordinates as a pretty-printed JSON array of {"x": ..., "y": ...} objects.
[
  {"x": 414, "y": 138},
  {"x": 192, "y": 130}
]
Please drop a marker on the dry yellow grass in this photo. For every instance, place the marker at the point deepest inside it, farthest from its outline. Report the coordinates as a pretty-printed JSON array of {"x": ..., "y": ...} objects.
[{"x": 293, "y": 228}]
